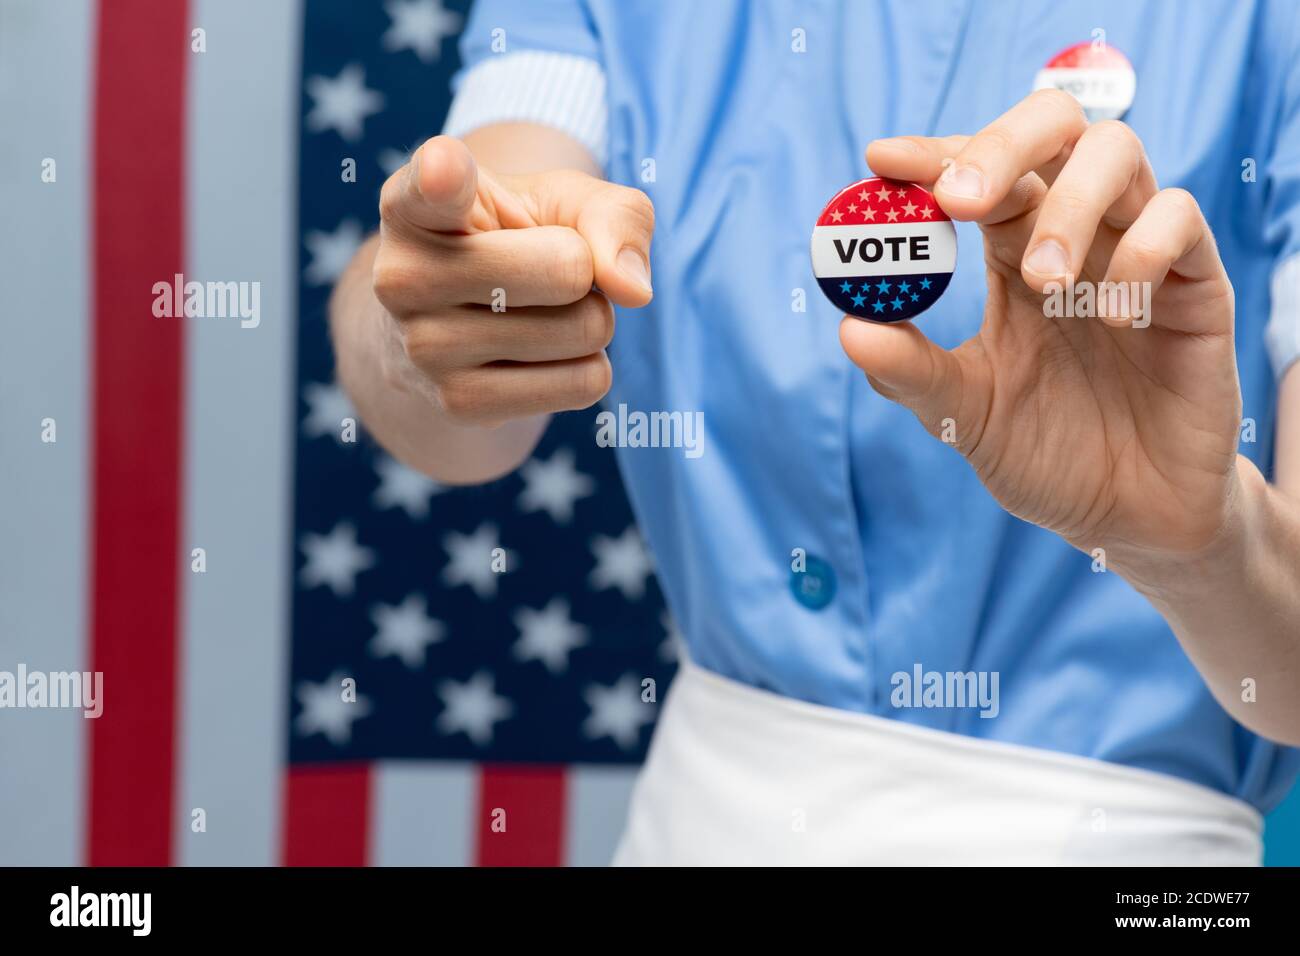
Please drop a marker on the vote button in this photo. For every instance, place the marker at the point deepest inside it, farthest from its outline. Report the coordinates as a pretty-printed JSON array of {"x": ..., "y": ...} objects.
[{"x": 883, "y": 250}]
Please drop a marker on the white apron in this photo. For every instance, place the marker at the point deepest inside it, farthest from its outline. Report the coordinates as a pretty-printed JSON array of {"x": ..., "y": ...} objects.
[{"x": 739, "y": 776}]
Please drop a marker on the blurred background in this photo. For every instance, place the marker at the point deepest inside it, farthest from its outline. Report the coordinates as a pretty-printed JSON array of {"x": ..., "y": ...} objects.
[{"x": 207, "y": 525}]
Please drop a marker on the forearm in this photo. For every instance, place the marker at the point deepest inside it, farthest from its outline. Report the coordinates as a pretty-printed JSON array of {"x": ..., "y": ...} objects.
[{"x": 1236, "y": 608}]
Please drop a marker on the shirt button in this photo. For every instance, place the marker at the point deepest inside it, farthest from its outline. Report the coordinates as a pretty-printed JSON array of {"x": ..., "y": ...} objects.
[{"x": 814, "y": 587}]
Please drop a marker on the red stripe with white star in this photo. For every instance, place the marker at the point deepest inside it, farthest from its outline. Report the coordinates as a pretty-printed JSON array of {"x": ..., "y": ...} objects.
[{"x": 879, "y": 203}]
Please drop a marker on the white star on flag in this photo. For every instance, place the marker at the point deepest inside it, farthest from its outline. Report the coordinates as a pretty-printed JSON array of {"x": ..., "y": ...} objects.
[
  {"x": 391, "y": 160},
  {"x": 327, "y": 406},
  {"x": 553, "y": 486},
  {"x": 331, "y": 251},
  {"x": 621, "y": 562},
  {"x": 617, "y": 712},
  {"x": 670, "y": 651},
  {"x": 335, "y": 559},
  {"x": 419, "y": 25},
  {"x": 472, "y": 708},
  {"x": 405, "y": 631},
  {"x": 400, "y": 486},
  {"x": 324, "y": 711},
  {"x": 469, "y": 559},
  {"x": 342, "y": 103},
  {"x": 548, "y": 635}
]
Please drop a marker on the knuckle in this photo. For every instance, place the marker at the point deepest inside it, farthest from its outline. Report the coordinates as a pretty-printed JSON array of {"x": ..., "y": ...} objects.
[
  {"x": 427, "y": 344},
  {"x": 1061, "y": 103},
  {"x": 1118, "y": 139},
  {"x": 996, "y": 139},
  {"x": 639, "y": 206},
  {"x": 1069, "y": 204},
  {"x": 573, "y": 270},
  {"x": 392, "y": 280},
  {"x": 597, "y": 319},
  {"x": 462, "y": 400},
  {"x": 390, "y": 195},
  {"x": 1181, "y": 201},
  {"x": 591, "y": 380},
  {"x": 1145, "y": 256},
  {"x": 1116, "y": 134}
]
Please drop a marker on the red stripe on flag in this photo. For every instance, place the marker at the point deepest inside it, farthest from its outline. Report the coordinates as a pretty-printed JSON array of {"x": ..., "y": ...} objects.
[
  {"x": 326, "y": 815},
  {"x": 520, "y": 816},
  {"x": 136, "y": 364}
]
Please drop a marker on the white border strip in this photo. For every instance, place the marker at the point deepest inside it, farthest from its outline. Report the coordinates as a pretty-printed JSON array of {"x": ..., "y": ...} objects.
[
  {"x": 240, "y": 226},
  {"x": 47, "y": 57},
  {"x": 423, "y": 813},
  {"x": 940, "y": 255},
  {"x": 597, "y": 807}
]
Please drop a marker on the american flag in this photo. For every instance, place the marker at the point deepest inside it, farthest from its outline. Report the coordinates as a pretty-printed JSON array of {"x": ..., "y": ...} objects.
[{"x": 311, "y": 653}]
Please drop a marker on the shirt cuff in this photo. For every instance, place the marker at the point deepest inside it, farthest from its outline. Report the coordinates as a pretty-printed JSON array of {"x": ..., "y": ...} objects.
[
  {"x": 1283, "y": 332},
  {"x": 552, "y": 89}
]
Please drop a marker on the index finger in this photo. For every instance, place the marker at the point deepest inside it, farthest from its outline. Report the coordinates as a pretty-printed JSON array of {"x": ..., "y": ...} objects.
[
  {"x": 437, "y": 191},
  {"x": 1035, "y": 134},
  {"x": 923, "y": 159}
]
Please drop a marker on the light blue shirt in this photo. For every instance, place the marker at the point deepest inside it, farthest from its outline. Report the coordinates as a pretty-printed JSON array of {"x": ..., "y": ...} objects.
[{"x": 740, "y": 139}]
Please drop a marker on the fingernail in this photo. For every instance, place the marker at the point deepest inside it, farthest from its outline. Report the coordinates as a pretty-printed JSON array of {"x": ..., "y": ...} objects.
[
  {"x": 1048, "y": 259},
  {"x": 632, "y": 265},
  {"x": 964, "y": 181}
]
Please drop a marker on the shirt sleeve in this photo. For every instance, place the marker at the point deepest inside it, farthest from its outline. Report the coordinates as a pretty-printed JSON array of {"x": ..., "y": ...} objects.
[
  {"x": 533, "y": 62},
  {"x": 1282, "y": 334}
]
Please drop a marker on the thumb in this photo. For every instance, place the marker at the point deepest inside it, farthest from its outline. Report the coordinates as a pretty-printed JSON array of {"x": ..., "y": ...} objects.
[
  {"x": 617, "y": 224},
  {"x": 904, "y": 366},
  {"x": 437, "y": 190}
]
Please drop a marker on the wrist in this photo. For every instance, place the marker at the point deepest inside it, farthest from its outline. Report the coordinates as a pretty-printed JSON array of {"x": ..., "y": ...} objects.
[{"x": 1171, "y": 578}]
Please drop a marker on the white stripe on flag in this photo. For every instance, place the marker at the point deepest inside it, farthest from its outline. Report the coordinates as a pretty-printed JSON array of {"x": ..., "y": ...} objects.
[
  {"x": 422, "y": 814},
  {"x": 596, "y": 811},
  {"x": 47, "y": 58},
  {"x": 888, "y": 249},
  {"x": 241, "y": 197}
]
